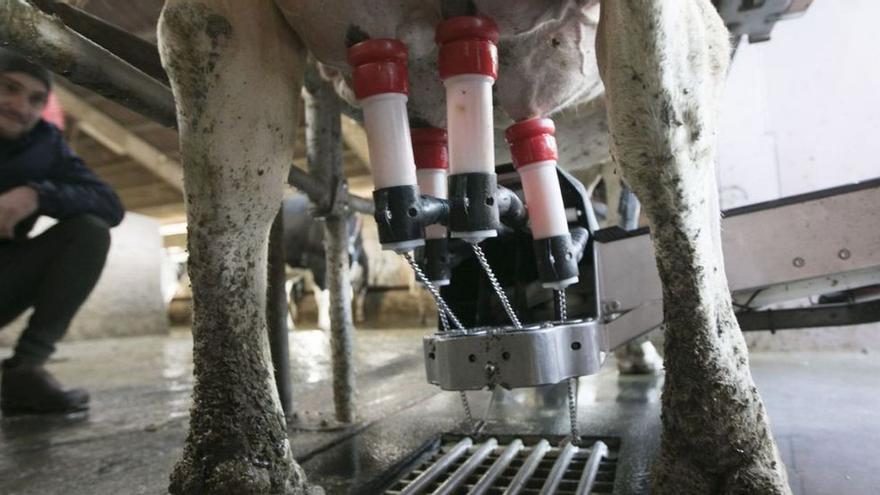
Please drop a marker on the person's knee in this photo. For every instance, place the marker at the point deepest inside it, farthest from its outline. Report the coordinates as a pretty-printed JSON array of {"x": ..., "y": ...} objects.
[{"x": 90, "y": 230}]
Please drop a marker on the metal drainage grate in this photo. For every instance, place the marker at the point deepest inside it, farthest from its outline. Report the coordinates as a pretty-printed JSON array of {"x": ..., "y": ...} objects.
[{"x": 511, "y": 465}]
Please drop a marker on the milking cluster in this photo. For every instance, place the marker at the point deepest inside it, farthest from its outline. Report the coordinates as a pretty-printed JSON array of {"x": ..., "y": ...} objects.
[{"x": 433, "y": 184}]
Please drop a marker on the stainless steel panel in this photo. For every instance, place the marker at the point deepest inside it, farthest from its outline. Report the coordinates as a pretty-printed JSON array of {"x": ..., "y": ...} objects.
[
  {"x": 805, "y": 240},
  {"x": 533, "y": 356},
  {"x": 639, "y": 321},
  {"x": 813, "y": 239}
]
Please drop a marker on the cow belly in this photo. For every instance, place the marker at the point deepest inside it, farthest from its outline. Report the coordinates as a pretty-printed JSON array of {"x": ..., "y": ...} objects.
[{"x": 546, "y": 54}]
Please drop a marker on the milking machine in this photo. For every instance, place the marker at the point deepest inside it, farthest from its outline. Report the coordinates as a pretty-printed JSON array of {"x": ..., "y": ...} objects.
[
  {"x": 437, "y": 190},
  {"x": 529, "y": 291}
]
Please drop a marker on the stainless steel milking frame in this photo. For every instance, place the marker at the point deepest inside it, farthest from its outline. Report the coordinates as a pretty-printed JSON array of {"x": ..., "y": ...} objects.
[{"x": 784, "y": 250}]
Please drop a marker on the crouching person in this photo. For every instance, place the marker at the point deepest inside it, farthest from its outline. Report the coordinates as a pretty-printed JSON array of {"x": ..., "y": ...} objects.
[{"x": 54, "y": 272}]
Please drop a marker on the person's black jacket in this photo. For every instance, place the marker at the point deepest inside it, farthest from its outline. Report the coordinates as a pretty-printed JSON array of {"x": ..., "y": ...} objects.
[{"x": 41, "y": 159}]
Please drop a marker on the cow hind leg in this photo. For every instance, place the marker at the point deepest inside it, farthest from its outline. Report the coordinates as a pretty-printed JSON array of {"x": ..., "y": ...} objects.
[
  {"x": 663, "y": 65},
  {"x": 236, "y": 78}
]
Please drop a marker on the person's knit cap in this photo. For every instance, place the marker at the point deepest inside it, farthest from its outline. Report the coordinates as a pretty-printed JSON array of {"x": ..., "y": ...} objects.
[{"x": 12, "y": 62}]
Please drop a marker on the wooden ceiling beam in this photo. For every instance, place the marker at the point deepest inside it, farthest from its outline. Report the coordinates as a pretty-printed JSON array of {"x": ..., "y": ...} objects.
[
  {"x": 149, "y": 191},
  {"x": 135, "y": 201},
  {"x": 132, "y": 178},
  {"x": 104, "y": 129},
  {"x": 165, "y": 213}
]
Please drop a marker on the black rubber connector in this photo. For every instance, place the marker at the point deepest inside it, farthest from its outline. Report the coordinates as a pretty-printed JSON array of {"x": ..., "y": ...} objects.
[
  {"x": 511, "y": 209},
  {"x": 556, "y": 259},
  {"x": 579, "y": 238},
  {"x": 472, "y": 204},
  {"x": 436, "y": 260},
  {"x": 398, "y": 214}
]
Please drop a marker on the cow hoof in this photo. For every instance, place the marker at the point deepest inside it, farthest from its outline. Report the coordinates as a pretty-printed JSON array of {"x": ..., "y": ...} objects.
[
  {"x": 765, "y": 474},
  {"x": 677, "y": 474},
  {"x": 638, "y": 359}
]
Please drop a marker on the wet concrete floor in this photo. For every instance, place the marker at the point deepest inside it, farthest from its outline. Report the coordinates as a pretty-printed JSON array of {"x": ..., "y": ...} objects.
[{"x": 824, "y": 408}]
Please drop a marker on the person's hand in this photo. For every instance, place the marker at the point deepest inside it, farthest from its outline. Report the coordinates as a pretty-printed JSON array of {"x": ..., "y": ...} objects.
[{"x": 16, "y": 204}]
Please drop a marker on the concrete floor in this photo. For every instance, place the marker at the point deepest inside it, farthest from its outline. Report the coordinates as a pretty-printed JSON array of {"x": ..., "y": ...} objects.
[{"x": 823, "y": 407}]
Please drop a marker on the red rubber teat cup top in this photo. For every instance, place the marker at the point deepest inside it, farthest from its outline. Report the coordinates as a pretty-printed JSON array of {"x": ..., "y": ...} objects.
[
  {"x": 378, "y": 66},
  {"x": 467, "y": 46},
  {"x": 532, "y": 141},
  {"x": 533, "y": 149},
  {"x": 379, "y": 79},
  {"x": 429, "y": 148}
]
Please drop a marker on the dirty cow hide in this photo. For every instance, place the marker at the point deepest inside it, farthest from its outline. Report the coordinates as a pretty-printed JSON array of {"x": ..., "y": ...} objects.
[
  {"x": 663, "y": 64},
  {"x": 236, "y": 72},
  {"x": 236, "y": 81}
]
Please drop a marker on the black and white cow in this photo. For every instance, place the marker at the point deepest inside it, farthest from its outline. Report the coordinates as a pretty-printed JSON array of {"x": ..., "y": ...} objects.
[{"x": 304, "y": 248}]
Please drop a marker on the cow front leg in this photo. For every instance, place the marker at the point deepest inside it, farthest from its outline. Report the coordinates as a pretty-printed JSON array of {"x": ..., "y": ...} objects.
[
  {"x": 663, "y": 64},
  {"x": 236, "y": 75}
]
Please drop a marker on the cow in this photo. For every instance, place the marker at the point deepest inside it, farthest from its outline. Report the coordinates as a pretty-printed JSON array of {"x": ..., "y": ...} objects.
[
  {"x": 236, "y": 72},
  {"x": 303, "y": 240}
]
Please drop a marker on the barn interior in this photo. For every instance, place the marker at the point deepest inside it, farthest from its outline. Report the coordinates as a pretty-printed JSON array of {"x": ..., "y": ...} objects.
[{"x": 368, "y": 410}]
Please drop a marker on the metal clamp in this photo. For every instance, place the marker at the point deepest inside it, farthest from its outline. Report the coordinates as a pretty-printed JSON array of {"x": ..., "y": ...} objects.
[{"x": 533, "y": 356}]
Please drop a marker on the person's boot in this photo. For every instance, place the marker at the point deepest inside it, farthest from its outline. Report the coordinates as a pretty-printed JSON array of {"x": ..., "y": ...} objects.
[{"x": 30, "y": 389}]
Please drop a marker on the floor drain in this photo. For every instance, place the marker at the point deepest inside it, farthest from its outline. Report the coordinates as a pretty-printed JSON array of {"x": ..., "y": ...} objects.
[{"x": 511, "y": 465}]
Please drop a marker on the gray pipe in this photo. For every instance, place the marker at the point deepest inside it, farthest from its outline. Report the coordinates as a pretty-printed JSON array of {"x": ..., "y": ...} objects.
[
  {"x": 276, "y": 313},
  {"x": 324, "y": 157},
  {"x": 591, "y": 469},
  {"x": 429, "y": 475},
  {"x": 497, "y": 468},
  {"x": 558, "y": 470},
  {"x": 47, "y": 41},
  {"x": 460, "y": 475},
  {"x": 528, "y": 467}
]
